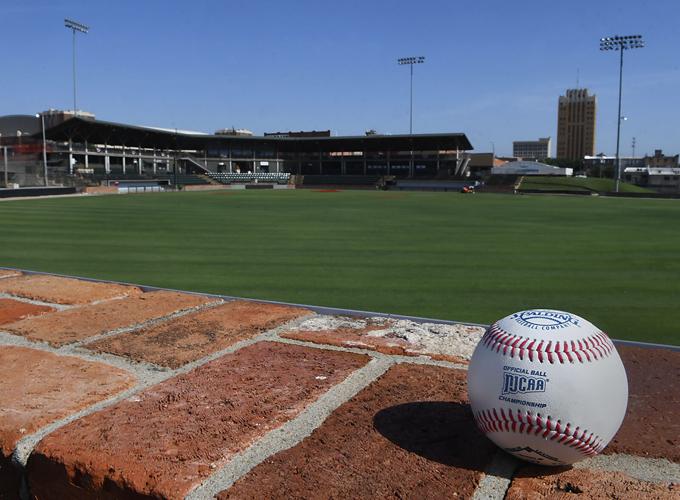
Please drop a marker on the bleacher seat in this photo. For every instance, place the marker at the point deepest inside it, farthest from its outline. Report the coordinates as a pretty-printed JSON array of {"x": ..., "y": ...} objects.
[{"x": 234, "y": 177}]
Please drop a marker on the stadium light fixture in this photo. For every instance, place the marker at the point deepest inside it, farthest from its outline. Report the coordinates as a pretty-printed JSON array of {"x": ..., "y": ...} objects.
[
  {"x": 80, "y": 28},
  {"x": 402, "y": 61},
  {"x": 620, "y": 43}
]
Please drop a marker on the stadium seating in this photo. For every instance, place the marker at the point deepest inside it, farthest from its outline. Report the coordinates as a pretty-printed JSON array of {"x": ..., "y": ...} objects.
[{"x": 229, "y": 178}]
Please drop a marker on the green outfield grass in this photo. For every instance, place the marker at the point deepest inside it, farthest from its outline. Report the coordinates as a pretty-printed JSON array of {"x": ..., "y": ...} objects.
[
  {"x": 590, "y": 184},
  {"x": 471, "y": 258}
]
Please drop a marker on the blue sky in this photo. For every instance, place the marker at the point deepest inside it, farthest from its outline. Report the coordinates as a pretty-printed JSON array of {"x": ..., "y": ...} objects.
[{"x": 494, "y": 69}]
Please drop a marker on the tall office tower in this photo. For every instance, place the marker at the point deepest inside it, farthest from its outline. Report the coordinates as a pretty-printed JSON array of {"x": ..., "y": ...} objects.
[{"x": 576, "y": 124}]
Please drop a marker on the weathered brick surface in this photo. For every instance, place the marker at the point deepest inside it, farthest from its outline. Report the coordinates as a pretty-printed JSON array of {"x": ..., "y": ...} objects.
[
  {"x": 182, "y": 340},
  {"x": 37, "y": 388},
  {"x": 14, "y": 310},
  {"x": 10, "y": 479},
  {"x": 77, "y": 324},
  {"x": 535, "y": 483},
  {"x": 454, "y": 342},
  {"x": 409, "y": 435},
  {"x": 167, "y": 439},
  {"x": 60, "y": 290},
  {"x": 651, "y": 427},
  {"x": 346, "y": 337},
  {"x": 5, "y": 273}
]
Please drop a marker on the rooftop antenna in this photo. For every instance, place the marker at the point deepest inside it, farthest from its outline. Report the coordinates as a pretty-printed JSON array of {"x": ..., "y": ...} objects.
[
  {"x": 578, "y": 77},
  {"x": 633, "y": 145}
]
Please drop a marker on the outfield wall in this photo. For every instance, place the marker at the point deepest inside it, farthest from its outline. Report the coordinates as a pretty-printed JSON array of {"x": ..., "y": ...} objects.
[{"x": 37, "y": 191}]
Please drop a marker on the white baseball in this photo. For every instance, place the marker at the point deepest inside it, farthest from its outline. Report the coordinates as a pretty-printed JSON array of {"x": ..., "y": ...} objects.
[{"x": 547, "y": 386}]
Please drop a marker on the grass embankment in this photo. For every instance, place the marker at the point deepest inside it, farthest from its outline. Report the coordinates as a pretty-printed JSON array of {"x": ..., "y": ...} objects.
[
  {"x": 590, "y": 184},
  {"x": 444, "y": 255}
]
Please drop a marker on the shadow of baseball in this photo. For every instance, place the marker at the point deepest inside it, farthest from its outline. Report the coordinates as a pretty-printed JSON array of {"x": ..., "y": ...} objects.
[{"x": 440, "y": 431}]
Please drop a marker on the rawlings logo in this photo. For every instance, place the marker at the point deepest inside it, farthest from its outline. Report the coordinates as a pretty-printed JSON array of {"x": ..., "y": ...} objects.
[{"x": 542, "y": 319}]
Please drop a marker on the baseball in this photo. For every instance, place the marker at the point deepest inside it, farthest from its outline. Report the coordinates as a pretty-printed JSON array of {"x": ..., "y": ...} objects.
[{"x": 547, "y": 386}]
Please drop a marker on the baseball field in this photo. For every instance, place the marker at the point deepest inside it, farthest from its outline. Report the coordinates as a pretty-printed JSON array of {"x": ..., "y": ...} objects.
[{"x": 471, "y": 258}]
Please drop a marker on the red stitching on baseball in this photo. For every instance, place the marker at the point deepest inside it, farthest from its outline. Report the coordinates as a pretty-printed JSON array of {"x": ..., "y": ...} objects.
[
  {"x": 551, "y": 429},
  {"x": 583, "y": 350}
]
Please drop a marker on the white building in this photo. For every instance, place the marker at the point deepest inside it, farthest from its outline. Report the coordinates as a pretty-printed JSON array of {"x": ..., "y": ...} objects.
[
  {"x": 530, "y": 168},
  {"x": 661, "y": 179}
]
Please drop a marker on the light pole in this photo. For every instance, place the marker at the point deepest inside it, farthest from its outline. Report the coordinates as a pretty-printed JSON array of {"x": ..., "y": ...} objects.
[
  {"x": 75, "y": 26},
  {"x": 633, "y": 145},
  {"x": 411, "y": 61},
  {"x": 4, "y": 156},
  {"x": 4, "y": 152},
  {"x": 620, "y": 43},
  {"x": 44, "y": 145}
]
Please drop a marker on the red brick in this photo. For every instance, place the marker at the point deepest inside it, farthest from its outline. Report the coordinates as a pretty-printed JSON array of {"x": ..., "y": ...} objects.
[
  {"x": 651, "y": 427},
  {"x": 58, "y": 290},
  {"x": 170, "y": 437},
  {"x": 409, "y": 435},
  {"x": 14, "y": 310},
  {"x": 191, "y": 337},
  {"x": 10, "y": 479},
  {"x": 77, "y": 324},
  {"x": 6, "y": 273},
  {"x": 456, "y": 345},
  {"x": 38, "y": 388},
  {"x": 535, "y": 483}
]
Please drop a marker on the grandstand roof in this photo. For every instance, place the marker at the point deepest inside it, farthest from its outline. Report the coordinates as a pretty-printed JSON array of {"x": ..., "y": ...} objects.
[
  {"x": 11, "y": 124},
  {"x": 104, "y": 132}
]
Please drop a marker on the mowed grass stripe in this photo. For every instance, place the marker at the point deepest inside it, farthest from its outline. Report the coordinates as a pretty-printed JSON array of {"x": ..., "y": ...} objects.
[{"x": 469, "y": 258}]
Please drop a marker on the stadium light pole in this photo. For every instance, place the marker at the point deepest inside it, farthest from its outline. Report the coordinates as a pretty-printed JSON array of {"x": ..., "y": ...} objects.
[
  {"x": 81, "y": 28},
  {"x": 4, "y": 155},
  {"x": 44, "y": 145},
  {"x": 620, "y": 43},
  {"x": 402, "y": 61},
  {"x": 4, "y": 151},
  {"x": 411, "y": 61}
]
